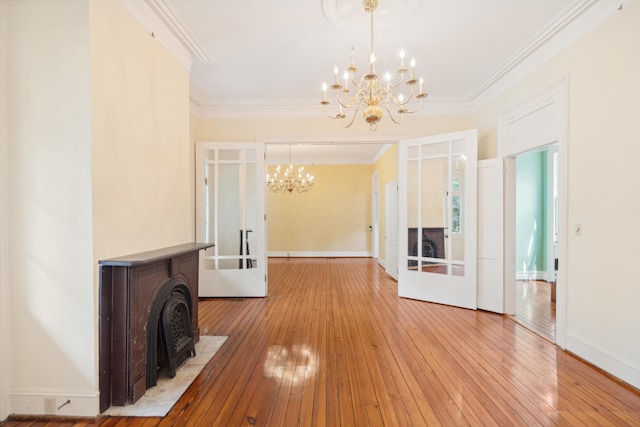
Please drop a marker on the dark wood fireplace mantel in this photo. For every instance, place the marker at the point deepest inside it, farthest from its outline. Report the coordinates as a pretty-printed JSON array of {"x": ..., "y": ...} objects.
[{"x": 128, "y": 286}]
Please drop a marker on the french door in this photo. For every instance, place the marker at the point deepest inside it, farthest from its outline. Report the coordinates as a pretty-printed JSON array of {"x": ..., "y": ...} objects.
[
  {"x": 230, "y": 213},
  {"x": 437, "y": 218},
  {"x": 391, "y": 229}
]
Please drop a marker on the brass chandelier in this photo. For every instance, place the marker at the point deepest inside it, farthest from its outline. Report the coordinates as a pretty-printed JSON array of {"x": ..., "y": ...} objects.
[
  {"x": 286, "y": 181},
  {"x": 369, "y": 92}
]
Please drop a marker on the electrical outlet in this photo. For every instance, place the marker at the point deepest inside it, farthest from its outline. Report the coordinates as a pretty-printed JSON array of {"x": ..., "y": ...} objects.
[{"x": 49, "y": 405}]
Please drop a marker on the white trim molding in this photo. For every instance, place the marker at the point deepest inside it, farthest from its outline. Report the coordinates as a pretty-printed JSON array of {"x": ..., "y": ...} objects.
[
  {"x": 320, "y": 254},
  {"x": 577, "y": 20},
  {"x": 165, "y": 28},
  {"x": 202, "y": 108},
  {"x": 62, "y": 405},
  {"x": 382, "y": 263},
  {"x": 532, "y": 275},
  {"x": 534, "y": 123},
  {"x": 177, "y": 28},
  {"x": 330, "y": 138},
  {"x": 625, "y": 370}
]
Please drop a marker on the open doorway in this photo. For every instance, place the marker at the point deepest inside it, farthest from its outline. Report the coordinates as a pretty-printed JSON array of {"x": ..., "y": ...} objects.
[
  {"x": 342, "y": 215},
  {"x": 536, "y": 123},
  {"x": 537, "y": 239}
]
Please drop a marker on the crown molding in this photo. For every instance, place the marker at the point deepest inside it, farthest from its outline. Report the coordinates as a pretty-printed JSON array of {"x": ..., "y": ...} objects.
[
  {"x": 574, "y": 22},
  {"x": 254, "y": 108},
  {"x": 299, "y": 108},
  {"x": 543, "y": 36},
  {"x": 171, "y": 20},
  {"x": 152, "y": 21},
  {"x": 332, "y": 138}
]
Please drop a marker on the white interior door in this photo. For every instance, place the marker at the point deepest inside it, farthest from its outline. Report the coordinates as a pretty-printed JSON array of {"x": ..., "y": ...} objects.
[
  {"x": 391, "y": 229},
  {"x": 491, "y": 235},
  {"x": 230, "y": 212},
  {"x": 437, "y": 201},
  {"x": 552, "y": 211},
  {"x": 376, "y": 215}
]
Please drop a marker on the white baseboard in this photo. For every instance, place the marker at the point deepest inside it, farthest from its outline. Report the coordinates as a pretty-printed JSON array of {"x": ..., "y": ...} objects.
[
  {"x": 383, "y": 263},
  {"x": 80, "y": 405},
  {"x": 328, "y": 254},
  {"x": 603, "y": 359}
]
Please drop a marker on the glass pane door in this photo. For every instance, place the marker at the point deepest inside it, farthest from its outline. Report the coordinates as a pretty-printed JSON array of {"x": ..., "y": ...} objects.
[
  {"x": 437, "y": 203},
  {"x": 230, "y": 214}
]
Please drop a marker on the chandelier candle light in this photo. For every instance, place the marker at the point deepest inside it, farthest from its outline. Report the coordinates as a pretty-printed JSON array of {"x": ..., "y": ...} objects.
[
  {"x": 369, "y": 92},
  {"x": 286, "y": 181}
]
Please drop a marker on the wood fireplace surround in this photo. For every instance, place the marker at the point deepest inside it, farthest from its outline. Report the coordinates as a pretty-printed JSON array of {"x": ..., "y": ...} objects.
[{"x": 129, "y": 289}]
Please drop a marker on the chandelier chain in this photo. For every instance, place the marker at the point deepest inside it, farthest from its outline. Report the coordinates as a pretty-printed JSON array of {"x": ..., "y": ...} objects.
[{"x": 371, "y": 31}]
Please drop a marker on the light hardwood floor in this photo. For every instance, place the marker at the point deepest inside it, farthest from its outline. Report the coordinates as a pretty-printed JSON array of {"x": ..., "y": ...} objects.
[
  {"x": 534, "y": 308},
  {"x": 333, "y": 345}
]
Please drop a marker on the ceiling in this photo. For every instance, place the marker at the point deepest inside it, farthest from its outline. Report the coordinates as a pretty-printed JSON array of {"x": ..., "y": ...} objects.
[{"x": 266, "y": 57}]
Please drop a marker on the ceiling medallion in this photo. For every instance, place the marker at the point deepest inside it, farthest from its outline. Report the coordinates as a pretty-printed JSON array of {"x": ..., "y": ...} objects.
[{"x": 349, "y": 15}]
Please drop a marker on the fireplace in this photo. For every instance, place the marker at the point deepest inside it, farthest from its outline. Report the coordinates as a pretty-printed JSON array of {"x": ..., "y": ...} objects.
[
  {"x": 148, "y": 319},
  {"x": 430, "y": 246},
  {"x": 170, "y": 340}
]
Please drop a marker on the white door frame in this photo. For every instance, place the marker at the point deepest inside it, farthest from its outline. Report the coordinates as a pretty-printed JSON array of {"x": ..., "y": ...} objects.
[
  {"x": 550, "y": 215},
  {"x": 391, "y": 229},
  {"x": 537, "y": 122},
  {"x": 375, "y": 215},
  {"x": 351, "y": 138}
]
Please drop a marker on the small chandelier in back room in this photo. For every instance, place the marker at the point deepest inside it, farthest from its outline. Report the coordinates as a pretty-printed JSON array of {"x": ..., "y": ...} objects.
[
  {"x": 369, "y": 92},
  {"x": 285, "y": 181}
]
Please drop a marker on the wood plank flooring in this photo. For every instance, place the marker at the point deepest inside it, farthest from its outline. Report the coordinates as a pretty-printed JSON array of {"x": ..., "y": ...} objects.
[
  {"x": 333, "y": 345},
  {"x": 534, "y": 308}
]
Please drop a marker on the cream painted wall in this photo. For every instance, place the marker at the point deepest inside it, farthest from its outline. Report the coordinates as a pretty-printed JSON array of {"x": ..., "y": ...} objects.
[
  {"x": 247, "y": 129},
  {"x": 142, "y": 160},
  {"x": 387, "y": 166},
  {"x": 5, "y": 295},
  {"x": 51, "y": 255},
  {"x": 333, "y": 217},
  {"x": 98, "y": 137},
  {"x": 603, "y": 69}
]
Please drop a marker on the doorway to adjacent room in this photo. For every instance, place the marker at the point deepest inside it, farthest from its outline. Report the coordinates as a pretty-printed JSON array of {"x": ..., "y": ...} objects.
[{"x": 537, "y": 239}]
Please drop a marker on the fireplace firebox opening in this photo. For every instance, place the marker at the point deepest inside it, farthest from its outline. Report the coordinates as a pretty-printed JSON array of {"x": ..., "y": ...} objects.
[{"x": 169, "y": 338}]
